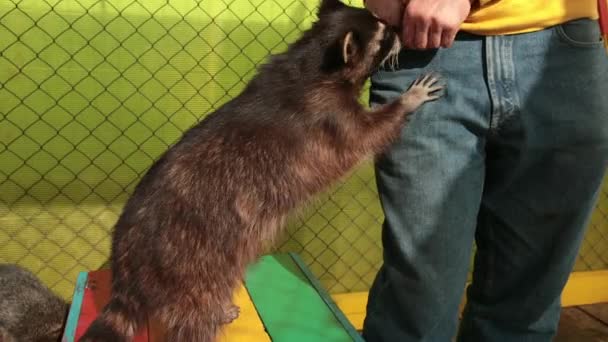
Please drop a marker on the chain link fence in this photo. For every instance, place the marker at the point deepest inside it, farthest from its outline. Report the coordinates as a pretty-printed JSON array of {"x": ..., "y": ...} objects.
[{"x": 92, "y": 91}]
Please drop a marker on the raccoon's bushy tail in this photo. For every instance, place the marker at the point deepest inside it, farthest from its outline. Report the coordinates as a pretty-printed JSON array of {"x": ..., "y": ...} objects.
[{"x": 118, "y": 322}]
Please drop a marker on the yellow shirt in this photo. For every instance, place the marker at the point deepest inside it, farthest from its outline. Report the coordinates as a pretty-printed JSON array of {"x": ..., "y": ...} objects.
[{"x": 493, "y": 17}]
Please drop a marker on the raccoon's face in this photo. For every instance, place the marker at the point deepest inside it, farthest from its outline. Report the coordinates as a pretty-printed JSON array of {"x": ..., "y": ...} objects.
[{"x": 359, "y": 43}]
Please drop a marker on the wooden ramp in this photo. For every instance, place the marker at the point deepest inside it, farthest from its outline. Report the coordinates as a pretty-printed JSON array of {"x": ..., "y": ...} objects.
[
  {"x": 280, "y": 301},
  {"x": 585, "y": 323}
]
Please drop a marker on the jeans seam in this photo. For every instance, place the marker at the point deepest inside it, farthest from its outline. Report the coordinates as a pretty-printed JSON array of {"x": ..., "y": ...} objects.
[
  {"x": 488, "y": 275},
  {"x": 490, "y": 72},
  {"x": 511, "y": 96},
  {"x": 501, "y": 80}
]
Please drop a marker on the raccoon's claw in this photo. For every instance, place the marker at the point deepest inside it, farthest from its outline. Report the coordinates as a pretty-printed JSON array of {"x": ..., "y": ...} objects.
[
  {"x": 435, "y": 90},
  {"x": 427, "y": 80},
  {"x": 425, "y": 88}
]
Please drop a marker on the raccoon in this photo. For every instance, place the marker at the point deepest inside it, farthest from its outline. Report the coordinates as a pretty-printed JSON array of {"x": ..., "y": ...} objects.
[
  {"x": 29, "y": 311},
  {"x": 215, "y": 200}
]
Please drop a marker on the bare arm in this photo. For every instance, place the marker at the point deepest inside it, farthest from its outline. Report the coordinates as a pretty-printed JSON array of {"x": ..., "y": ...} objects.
[{"x": 391, "y": 11}]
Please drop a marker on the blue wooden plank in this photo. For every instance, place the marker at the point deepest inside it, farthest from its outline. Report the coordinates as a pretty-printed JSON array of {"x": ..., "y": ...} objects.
[{"x": 72, "y": 321}]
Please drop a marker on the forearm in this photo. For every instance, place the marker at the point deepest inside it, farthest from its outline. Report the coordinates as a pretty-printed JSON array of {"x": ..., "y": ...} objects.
[{"x": 391, "y": 11}]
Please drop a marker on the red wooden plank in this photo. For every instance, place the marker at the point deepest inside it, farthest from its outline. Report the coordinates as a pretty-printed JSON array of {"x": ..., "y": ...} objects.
[{"x": 95, "y": 297}]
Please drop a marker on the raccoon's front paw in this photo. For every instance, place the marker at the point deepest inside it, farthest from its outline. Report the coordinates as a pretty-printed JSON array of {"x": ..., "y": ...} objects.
[{"x": 427, "y": 87}]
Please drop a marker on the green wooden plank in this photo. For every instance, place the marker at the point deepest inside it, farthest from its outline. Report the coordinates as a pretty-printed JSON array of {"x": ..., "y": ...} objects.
[
  {"x": 327, "y": 299},
  {"x": 289, "y": 305},
  {"x": 72, "y": 320}
]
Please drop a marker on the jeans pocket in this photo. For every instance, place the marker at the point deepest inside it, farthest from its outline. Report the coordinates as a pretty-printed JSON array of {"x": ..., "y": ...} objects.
[{"x": 580, "y": 33}]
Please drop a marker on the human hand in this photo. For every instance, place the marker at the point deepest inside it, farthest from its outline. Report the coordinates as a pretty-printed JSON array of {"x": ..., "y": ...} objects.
[
  {"x": 389, "y": 11},
  {"x": 430, "y": 24}
]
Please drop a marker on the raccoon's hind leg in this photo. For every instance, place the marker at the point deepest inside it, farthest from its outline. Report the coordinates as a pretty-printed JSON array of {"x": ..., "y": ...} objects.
[
  {"x": 194, "y": 317},
  {"x": 231, "y": 312},
  {"x": 192, "y": 325},
  {"x": 6, "y": 336}
]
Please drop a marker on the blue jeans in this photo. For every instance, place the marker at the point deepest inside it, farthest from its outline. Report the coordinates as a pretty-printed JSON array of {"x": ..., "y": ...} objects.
[{"x": 511, "y": 158}]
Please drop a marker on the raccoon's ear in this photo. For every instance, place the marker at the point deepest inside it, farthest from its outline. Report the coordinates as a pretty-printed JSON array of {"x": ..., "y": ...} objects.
[
  {"x": 349, "y": 48},
  {"x": 328, "y": 6}
]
